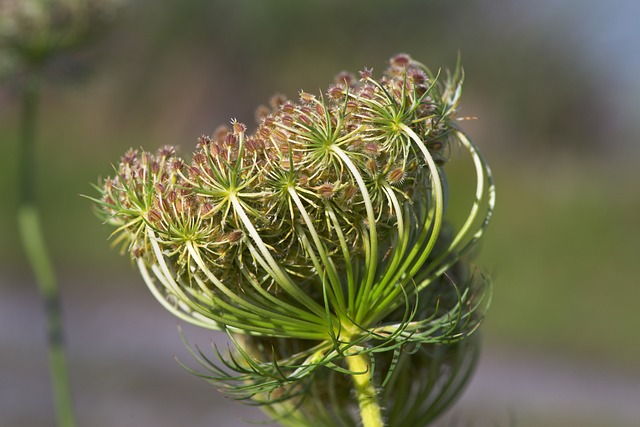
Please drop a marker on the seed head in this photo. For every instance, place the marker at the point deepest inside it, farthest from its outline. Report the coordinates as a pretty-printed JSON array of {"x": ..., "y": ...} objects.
[{"x": 325, "y": 225}]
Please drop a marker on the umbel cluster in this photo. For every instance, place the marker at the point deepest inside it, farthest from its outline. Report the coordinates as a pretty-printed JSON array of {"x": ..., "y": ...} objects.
[{"x": 320, "y": 242}]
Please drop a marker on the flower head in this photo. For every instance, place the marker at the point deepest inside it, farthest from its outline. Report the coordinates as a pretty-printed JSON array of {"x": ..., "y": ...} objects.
[{"x": 326, "y": 224}]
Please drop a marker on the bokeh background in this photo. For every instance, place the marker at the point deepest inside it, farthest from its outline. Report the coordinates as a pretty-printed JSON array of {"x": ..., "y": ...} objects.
[{"x": 554, "y": 86}]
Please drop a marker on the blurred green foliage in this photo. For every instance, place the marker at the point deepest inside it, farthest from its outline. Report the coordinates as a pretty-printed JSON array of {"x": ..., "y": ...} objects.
[
  {"x": 563, "y": 243},
  {"x": 564, "y": 250}
]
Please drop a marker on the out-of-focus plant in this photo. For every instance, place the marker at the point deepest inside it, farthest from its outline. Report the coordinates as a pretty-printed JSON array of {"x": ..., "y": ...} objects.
[
  {"x": 320, "y": 244},
  {"x": 32, "y": 34}
]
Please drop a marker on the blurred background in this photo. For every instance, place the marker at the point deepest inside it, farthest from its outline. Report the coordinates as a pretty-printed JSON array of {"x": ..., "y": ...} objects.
[{"x": 554, "y": 86}]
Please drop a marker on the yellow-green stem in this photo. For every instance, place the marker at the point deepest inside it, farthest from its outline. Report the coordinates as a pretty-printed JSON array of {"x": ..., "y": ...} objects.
[
  {"x": 370, "y": 412},
  {"x": 33, "y": 242}
]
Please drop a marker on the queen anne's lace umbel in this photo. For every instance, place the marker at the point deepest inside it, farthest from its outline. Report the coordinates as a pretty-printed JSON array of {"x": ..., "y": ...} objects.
[{"x": 325, "y": 226}]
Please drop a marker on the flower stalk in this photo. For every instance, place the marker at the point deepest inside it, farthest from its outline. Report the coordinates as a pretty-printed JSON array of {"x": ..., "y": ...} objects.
[
  {"x": 33, "y": 242},
  {"x": 32, "y": 32},
  {"x": 364, "y": 389}
]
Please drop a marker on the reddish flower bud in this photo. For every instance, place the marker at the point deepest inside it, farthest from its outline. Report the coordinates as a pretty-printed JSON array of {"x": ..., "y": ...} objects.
[
  {"x": 366, "y": 73},
  {"x": 435, "y": 145},
  {"x": 304, "y": 118},
  {"x": 137, "y": 251},
  {"x": 171, "y": 197},
  {"x": 307, "y": 97},
  {"x": 372, "y": 166},
  {"x": 167, "y": 152},
  {"x": 346, "y": 78},
  {"x": 129, "y": 157},
  {"x": 230, "y": 140},
  {"x": 326, "y": 190},
  {"x": 199, "y": 158},
  {"x": 234, "y": 236},
  {"x": 277, "y": 100},
  {"x": 417, "y": 76},
  {"x": 264, "y": 132},
  {"x": 261, "y": 112},
  {"x": 206, "y": 209},
  {"x": 154, "y": 216},
  {"x": 349, "y": 192},
  {"x": 220, "y": 132},
  {"x": 279, "y": 135},
  {"x": 396, "y": 176},
  {"x": 194, "y": 172},
  {"x": 371, "y": 149},
  {"x": 288, "y": 107},
  {"x": 214, "y": 150},
  {"x": 177, "y": 165},
  {"x": 287, "y": 120},
  {"x": 336, "y": 91},
  {"x": 239, "y": 128},
  {"x": 400, "y": 60}
]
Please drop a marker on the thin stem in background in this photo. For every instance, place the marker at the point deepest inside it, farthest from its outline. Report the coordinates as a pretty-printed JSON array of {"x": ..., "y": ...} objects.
[{"x": 30, "y": 230}]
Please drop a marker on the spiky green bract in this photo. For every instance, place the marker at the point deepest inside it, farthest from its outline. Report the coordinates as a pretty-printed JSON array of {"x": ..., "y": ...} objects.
[
  {"x": 423, "y": 384},
  {"x": 318, "y": 237},
  {"x": 303, "y": 383}
]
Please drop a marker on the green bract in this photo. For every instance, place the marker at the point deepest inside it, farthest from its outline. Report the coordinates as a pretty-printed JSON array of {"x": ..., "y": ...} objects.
[{"x": 318, "y": 237}]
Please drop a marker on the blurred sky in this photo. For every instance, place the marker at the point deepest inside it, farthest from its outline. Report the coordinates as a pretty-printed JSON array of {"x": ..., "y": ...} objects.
[
  {"x": 610, "y": 33},
  {"x": 607, "y": 34}
]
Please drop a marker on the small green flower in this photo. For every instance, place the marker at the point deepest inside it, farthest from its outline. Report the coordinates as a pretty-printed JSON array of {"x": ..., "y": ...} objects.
[{"x": 318, "y": 241}]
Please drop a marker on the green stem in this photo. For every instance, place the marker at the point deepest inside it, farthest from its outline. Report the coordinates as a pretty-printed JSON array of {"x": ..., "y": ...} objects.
[
  {"x": 32, "y": 238},
  {"x": 370, "y": 413}
]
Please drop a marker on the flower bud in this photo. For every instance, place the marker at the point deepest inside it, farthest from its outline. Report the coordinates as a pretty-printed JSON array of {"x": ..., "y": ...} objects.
[
  {"x": 154, "y": 216},
  {"x": 366, "y": 73},
  {"x": 238, "y": 128},
  {"x": 326, "y": 190},
  {"x": 276, "y": 101},
  {"x": 336, "y": 92},
  {"x": 199, "y": 158},
  {"x": 400, "y": 60},
  {"x": 261, "y": 112},
  {"x": 234, "y": 236},
  {"x": 396, "y": 176},
  {"x": 307, "y": 97},
  {"x": 345, "y": 78}
]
